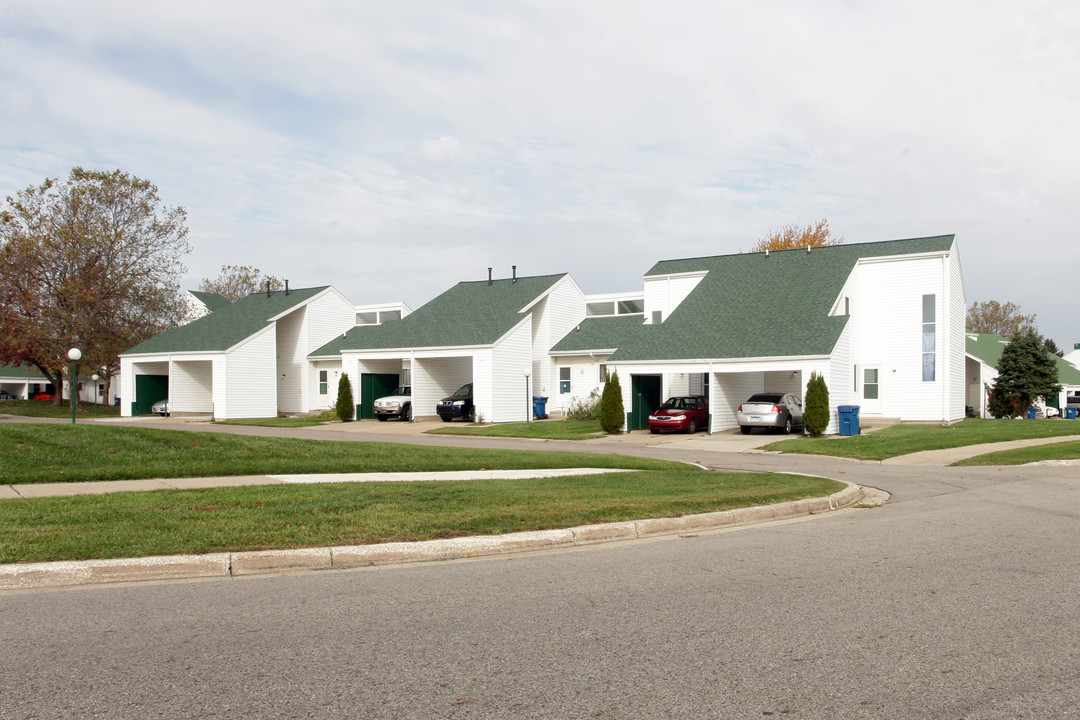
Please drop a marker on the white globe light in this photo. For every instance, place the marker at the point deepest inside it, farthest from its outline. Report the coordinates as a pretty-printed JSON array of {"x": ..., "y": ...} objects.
[{"x": 75, "y": 354}]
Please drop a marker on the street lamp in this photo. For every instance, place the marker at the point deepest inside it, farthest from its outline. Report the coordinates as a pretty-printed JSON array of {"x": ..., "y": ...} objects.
[
  {"x": 528, "y": 410},
  {"x": 74, "y": 355},
  {"x": 95, "y": 377}
]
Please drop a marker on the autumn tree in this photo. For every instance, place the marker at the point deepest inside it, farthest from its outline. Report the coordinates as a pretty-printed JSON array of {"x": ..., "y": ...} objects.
[
  {"x": 1001, "y": 319},
  {"x": 93, "y": 262},
  {"x": 238, "y": 281},
  {"x": 794, "y": 235}
]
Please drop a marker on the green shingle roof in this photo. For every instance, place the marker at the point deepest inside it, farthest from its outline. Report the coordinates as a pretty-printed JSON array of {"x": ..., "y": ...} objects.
[
  {"x": 987, "y": 348},
  {"x": 22, "y": 371},
  {"x": 228, "y": 325},
  {"x": 210, "y": 300},
  {"x": 753, "y": 305},
  {"x": 604, "y": 333},
  {"x": 470, "y": 313}
]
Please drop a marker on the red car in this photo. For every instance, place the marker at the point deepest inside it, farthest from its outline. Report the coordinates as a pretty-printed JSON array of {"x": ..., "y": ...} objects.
[
  {"x": 683, "y": 413},
  {"x": 43, "y": 396}
]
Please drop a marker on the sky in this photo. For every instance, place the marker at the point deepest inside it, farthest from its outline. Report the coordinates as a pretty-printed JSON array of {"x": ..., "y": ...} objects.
[{"x": 393, "y": 149}]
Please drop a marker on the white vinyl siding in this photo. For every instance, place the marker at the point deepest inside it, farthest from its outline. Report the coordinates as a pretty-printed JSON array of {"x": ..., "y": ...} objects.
[
  {"x": 952, "y": 336},
  {"x": 292, "y": 363},
  {"x": 433, "y": 378},
  {"x": 729, "y": 391},
  {"x": 191, "y": 386},
  {"x": 553, "y": 318},
  {"x": 250, "y": 378},
  {"x": 510, "y": 358},
  {"x": 665, "y": 293}
]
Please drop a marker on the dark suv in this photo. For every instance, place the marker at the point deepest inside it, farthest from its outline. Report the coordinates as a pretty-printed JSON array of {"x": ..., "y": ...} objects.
[{"x": 460, "y": 404}]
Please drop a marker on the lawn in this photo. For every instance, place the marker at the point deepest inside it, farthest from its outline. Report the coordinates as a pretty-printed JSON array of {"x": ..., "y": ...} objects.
[
  {"x": 904, "y": 439},
  {"x": 291, "y": 422},
  {"x": 39, "y": 452},
  {"x": 233, "y": 519},
  {"x": 46, "y": 409},
  {"x": 1054, "y": 451},
  {"x": 542, "y": 429}
]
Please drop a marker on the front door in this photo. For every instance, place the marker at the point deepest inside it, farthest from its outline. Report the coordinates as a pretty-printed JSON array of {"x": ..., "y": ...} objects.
[
  {"x": 645, "y": 397},
  {"x": 871, "y": 391}
]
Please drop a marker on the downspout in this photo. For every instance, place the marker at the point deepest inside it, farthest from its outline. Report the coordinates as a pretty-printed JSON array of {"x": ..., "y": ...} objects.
[{"x": 710, "y": 398}]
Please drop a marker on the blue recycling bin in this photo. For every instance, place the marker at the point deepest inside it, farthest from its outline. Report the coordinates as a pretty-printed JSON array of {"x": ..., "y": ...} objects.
[
  {"x": 540, "y": 407},
  {"x": 116, "y": 401},
  {"x": 1031, "y": 413},
  {"x": 849, "y": 419},
  {"x": 1070, "y": 413}
]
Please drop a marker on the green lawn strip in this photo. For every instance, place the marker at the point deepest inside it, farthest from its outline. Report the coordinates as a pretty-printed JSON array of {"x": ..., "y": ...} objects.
[
  {"x": 263, "y": 517},
  {"x": 306, "y": 421},
  {"x": 905, "y": 439},
  {"x": 36, "y": 453},
  {"x": 547, "y": 430},
  {"x": 1037, "y": 453},
  {"x": 46, "y": 409}
]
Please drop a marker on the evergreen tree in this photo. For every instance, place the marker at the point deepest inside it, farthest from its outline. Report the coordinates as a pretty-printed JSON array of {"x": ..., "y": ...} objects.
[
  {"x": 1027, "y": 371},
  {"x": 344, "y": 407},
  {"x": 816, "y": 405},
  {"x": 612, "y": 414}
]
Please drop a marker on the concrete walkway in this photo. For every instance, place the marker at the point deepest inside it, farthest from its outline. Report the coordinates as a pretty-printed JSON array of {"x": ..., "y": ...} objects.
[{"x": 948, "y": 456}]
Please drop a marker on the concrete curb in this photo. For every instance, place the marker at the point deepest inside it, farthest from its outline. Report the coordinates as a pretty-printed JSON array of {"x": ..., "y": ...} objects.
[{"x": 25, "y": 576}]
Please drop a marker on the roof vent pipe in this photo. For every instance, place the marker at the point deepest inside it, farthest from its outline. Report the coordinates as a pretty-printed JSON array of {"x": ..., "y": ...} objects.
[
  {"x": 267, "y": 288},
  {"x": 515, "y": 272},
  {"x": 807, "y": 249},
  {"x": 489, "y": 277},
  {"x": 286, "y": 286},
  {"x": 766, "y": 252}
]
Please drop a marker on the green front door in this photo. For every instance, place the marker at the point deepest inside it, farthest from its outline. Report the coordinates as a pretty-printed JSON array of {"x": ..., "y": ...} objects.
[
  {"x": 644, "y": 398},
  {"x": 373, "y": 387},
  {"x": 148, "y": 390}
]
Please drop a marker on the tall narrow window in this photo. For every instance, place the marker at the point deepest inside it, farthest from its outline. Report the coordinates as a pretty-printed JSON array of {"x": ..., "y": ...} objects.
[
  {"x": 564, "y": 380},
  {"x": 929, "y": 338},
  {"x": 603, "y": 373},
  {"x": 322, "y": 382}
]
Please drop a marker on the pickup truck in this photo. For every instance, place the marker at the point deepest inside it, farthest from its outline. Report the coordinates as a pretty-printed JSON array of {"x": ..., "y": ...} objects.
[{"x": 398, "y": 405}]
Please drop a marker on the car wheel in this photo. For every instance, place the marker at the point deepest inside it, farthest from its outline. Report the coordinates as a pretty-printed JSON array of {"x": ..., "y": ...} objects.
[
  {"x": 745, "y": 430},
  {"x": 691, "y": 428},
  {"x": 654, "y": 431},
  {"x": 382, "y": 418},
  {"x": 406, "y": 413},
  {"x": 446, "y": 418},
  {"x": 787, "y": 426}
]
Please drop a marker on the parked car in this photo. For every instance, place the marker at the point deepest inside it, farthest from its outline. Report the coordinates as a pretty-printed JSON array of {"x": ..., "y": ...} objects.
[
  {"x": 460, "y": 404},
  {"x": 398, "y": 404},
  {"x": 772, "y": 411},
  {"x": 1073, "y": 401},
  {"x": 161, "y": 407},
  {"x": 5, "y": 395},
  {"x": 682, "y": 413},
  {"x": 43, "y": 396}
]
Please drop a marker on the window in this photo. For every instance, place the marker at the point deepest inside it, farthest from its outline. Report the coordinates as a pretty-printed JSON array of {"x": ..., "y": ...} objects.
[
  {"x": 367, "y": 318},
  {"x": 599, "y": 308},
  {"x": 322, "y": 382},
  {"x": 406, "y": 376},
  {"x": 603, "y": 373},
  {"x": 387, "y": 315},
  {"x": 631, "y": 307},
  {"x": 929, "y": 338},
  {"x": 870, "y": 384},
  {"x": 564, "y": 381}
]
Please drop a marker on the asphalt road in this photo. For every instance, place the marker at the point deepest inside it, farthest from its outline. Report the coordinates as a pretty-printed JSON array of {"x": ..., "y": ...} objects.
[{"x": 957, "y": 599}]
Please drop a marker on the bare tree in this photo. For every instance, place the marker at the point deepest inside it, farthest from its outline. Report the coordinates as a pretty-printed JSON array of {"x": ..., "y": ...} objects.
[{"x": 237, "y": 281}]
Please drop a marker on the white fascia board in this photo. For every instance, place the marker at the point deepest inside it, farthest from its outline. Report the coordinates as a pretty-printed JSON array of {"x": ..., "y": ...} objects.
[
  {"x": 582, "y": 353},
  {"x": 774, "y": 360},
  {"x": 564, "y": 279},
  {"x": 615, "y": 296},
  {"x": 906, "y": 256},
  {"x": 181, "y": 355},
  {"x": 437, "y": 351}
]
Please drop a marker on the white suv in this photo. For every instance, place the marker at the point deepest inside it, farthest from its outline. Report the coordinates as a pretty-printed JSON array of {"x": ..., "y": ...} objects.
[{"x": 398, "y": 405}]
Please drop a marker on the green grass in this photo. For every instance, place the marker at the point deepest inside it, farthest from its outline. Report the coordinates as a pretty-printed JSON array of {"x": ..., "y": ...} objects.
[
  {"x": 38, "y": 452},
  {"x": 233, "y": 519},
  {"x": 1053, "y": 451},
  {"x": 46, "y": 409},
  {"x": 546, "y": 429},
  {"x": 904, "y": 439},
  {"x": 292, "y": 422}
]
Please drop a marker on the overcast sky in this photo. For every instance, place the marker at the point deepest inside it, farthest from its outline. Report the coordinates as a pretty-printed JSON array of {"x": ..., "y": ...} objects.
[{"x": 393, "y": 149}]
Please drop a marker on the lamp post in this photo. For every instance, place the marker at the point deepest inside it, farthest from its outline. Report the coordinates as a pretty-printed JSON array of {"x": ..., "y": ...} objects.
[
  {"x": 95, "y": 377},
  {"x": 528, "y": 410},
  {"x": 74, "y": 355}
]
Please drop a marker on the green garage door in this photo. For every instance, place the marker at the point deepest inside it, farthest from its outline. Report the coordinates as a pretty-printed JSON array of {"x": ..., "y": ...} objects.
[
  {"x": 148, "y": 390},
  {"x": 373, "y": 387},
  {"x": 644, "y": 398}
]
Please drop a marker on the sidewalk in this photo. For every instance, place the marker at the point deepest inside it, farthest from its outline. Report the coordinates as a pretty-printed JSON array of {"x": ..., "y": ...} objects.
[{"x": 948, "y": 456}]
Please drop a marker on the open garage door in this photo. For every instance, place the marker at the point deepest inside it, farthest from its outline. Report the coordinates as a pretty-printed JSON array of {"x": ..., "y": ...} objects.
[
  {"x": 645, "y": 391},
  {"x": 148, "y": 390},
  {"x": 372, "y": 387}
]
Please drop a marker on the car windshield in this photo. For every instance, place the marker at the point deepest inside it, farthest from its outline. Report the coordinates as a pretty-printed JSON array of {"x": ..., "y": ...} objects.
[
  {"x": 464, "y": 391},
  {"x": 764, "y": 398},
  {"x": 679, "y": 403},
  {"x": 403, "y": 390}
]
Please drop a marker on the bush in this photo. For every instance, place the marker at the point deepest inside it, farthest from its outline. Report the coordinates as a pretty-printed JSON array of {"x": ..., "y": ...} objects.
[
  {"x": 612, "y": 414},
  {"x": 585, "y": 409},
  {"x": 816, "y": 405},
  {"x": 344, "y": 407}
]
